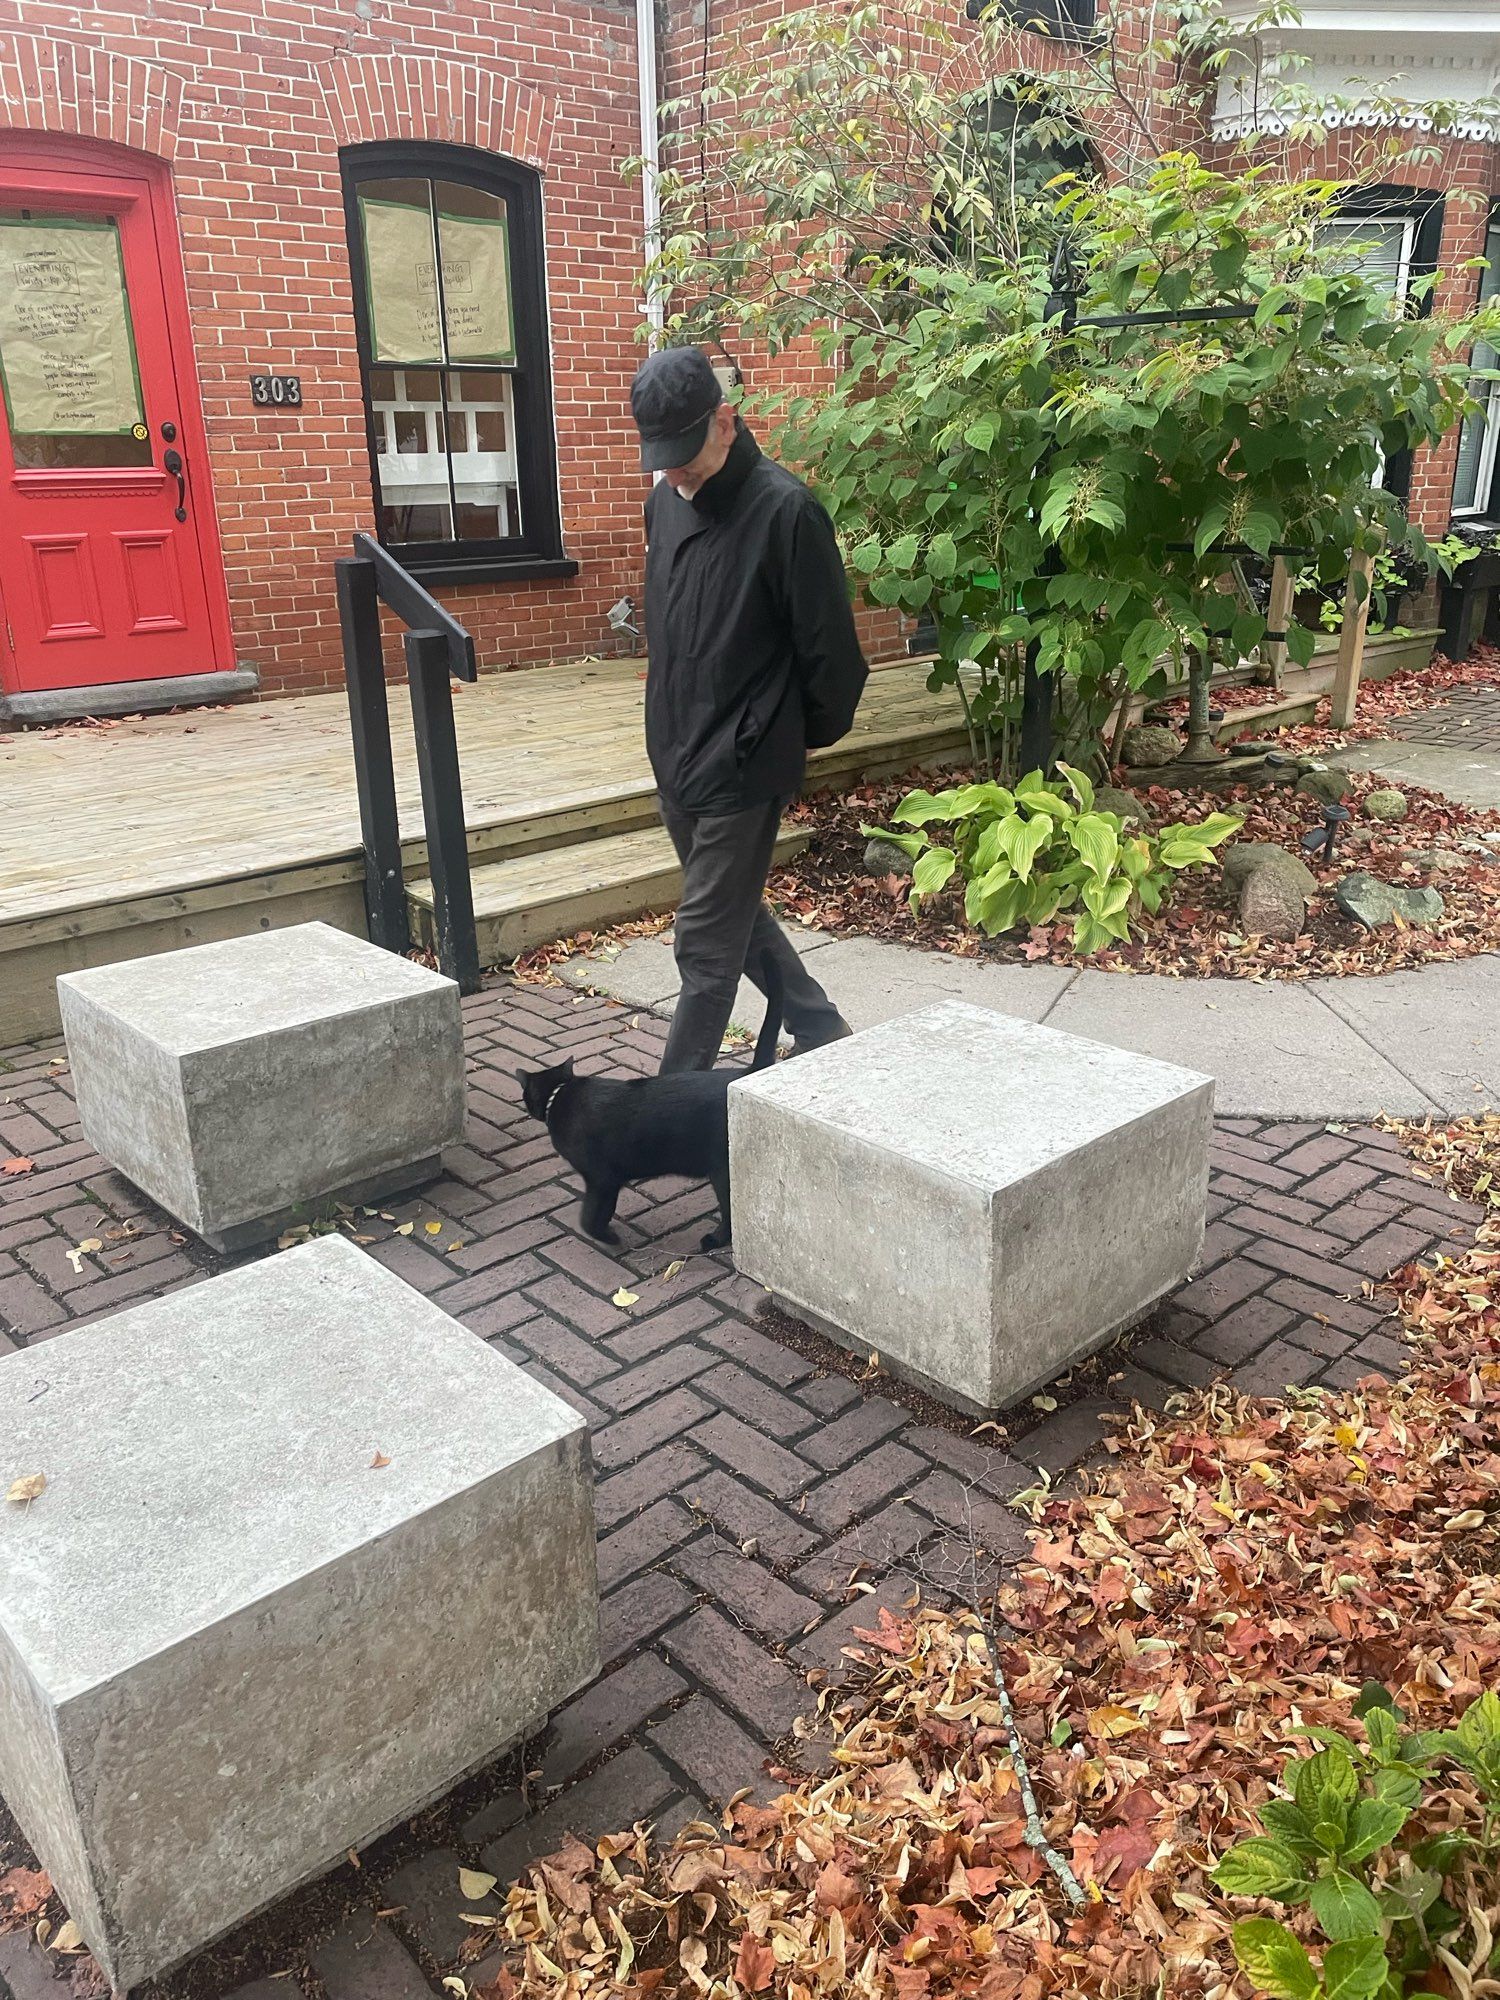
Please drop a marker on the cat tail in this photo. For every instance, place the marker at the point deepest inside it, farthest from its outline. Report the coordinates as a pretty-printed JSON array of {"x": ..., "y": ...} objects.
[{"x": 775, "y": 991}]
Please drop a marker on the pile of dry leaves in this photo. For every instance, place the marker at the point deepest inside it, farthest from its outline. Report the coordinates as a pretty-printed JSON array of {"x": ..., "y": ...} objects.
[
  {"x": 1197, "y": 934},
  {"x": 1380, "y": 702},
  {"x": 1240, "y": 1569}
]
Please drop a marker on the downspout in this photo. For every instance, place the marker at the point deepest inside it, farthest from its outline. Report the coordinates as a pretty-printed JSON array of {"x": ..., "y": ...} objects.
[{"x": 645, "y": 48}]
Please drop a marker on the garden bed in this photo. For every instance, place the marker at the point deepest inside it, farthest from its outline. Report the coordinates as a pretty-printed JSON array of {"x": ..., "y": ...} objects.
[{"x": 1197, "y": 935}]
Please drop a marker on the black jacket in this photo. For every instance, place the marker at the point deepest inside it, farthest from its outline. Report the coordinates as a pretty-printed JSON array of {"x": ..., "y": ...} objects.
[{"x": 753, "y": 656}]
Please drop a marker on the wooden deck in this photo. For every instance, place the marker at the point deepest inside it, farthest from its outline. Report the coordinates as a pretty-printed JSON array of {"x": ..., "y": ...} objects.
[{"x": 175, "y": 829}]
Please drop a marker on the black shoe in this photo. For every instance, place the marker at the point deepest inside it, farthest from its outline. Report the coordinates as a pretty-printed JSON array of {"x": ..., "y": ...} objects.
[{"x": 839, "y": 1034}]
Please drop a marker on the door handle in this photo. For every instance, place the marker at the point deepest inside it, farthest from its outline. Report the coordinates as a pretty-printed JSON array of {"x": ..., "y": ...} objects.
[{"x": 172, "y": 464}]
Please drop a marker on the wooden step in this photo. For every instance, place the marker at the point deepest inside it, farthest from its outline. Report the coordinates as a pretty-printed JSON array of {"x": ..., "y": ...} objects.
[{"x": 532, "y": 898}]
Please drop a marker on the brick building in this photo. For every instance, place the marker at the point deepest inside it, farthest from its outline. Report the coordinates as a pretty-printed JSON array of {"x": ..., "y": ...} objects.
[{"x": 278, "y": 270}]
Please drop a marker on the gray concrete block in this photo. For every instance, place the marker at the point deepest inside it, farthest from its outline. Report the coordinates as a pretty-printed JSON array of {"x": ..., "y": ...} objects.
[
  {"x": 978, "y": 1199},
  {"x": 232, "y": 1645},
  {"x": 240, "y": 1083}
]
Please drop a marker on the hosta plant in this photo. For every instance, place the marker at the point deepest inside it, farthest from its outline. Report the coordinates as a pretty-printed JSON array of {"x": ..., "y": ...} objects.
[
  {"x": 1393, "y": 1912},
  {"x": 1044, "y": 851}
]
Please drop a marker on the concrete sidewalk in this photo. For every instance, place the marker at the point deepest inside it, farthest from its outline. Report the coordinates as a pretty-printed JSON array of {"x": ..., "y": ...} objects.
[{"x": 1407, "y": 1043}]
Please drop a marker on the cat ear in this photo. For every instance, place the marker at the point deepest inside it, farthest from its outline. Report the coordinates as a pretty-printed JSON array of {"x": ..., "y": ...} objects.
[
  {"x": 567, "y": 1065},
  {"x": 522, "y": 1076}
]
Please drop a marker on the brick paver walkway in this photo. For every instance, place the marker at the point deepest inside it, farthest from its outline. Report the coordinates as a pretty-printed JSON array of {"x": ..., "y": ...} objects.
[
  {"x": 747, "y": 1486},
  {"x": 1469, "y": 720}
]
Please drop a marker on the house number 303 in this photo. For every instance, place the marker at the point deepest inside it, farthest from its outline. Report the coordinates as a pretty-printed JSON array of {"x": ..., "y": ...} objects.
[{"x": 280, "y": 392}]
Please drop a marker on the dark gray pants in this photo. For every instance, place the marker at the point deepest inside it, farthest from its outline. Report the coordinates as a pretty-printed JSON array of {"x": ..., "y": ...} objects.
[{"x": 724, "y": 929}]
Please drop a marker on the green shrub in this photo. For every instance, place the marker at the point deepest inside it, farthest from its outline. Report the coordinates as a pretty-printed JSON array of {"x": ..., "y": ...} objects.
[
  {"x": 1387, "y": 1912},
  {"x": 1042, "y": 851}
]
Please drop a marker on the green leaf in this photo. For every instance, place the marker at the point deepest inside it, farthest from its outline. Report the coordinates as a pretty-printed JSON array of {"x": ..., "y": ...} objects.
[
  {"x": 902, "y": 553},
  {"x": 1355, "y": 1968},
  {"x": 1209, "y": 530},
  {"x": 1274, "y": 1959},
  {"x": 942, "y": 557},
  {"x": 1375, "y": 1696},
  {"x": 1000, "y": 907},
  {"x": 1262, "y": 1867},
  {"x": 1080, "y": 785},
  {"x": 1479, "y": 1727},
  {"x": 932, "y": 871},
  {"x": 918, "y": 808},
  {"x": 865, "y": 556},
  {"x": 1287, "y": 1821},
  {"x": 1096, "y": 841},
  {"x": 1398, "y": 1785},
  {"x": 909, "y": 843},
  {"x": 1373, "y": 1824},
  {"x": 1344, "y": 1906},
  {"x": 1259, "y": 531},
  {"x": 1021, "y": 840},
  {"x": 1325, "y": 1786}
]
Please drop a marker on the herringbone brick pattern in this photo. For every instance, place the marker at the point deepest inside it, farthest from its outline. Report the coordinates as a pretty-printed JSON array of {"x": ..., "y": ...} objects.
[
  {"x": 751, "y": 1490},
  {"x": 1468, "y": 720}
]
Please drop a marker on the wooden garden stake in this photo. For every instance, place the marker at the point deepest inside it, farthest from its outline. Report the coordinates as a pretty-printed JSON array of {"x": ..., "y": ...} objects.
[
  {"x": 1278, "y": 612},
  {"x": 1357, "y": 595}
]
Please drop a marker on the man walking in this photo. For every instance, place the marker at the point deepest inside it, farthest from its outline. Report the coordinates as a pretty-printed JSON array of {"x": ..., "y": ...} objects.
[{"x": 753, "y": 659}]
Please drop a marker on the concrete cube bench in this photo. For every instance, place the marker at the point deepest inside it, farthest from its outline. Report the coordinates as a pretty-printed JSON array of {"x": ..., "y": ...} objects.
[
  {"x": 240, "y": 1083},
  {"x": 234, "y": 1641},
  {"x": 979, "y": 1200}
]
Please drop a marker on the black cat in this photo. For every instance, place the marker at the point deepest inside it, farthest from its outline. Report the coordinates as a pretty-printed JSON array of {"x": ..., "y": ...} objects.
[{"x": 614, "y": 1131}]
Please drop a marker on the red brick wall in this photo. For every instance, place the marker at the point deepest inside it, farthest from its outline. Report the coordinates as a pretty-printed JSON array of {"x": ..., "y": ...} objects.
[{"x": 250, "y": 105}]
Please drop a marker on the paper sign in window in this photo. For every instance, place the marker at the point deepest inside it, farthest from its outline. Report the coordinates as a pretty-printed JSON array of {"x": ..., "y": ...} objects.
[
  {"x": 408, "y": 323},
  {"x": 67, "y": 354}
]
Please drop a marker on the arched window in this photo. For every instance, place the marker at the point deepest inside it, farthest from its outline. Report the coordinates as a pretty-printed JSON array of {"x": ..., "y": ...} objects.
[{"x": 450, "y": 309}]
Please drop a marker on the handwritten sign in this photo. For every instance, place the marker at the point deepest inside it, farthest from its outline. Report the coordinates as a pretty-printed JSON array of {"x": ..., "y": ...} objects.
[
  {"x": 67, "y": 355},
  {"x": 409, "y": 324}
]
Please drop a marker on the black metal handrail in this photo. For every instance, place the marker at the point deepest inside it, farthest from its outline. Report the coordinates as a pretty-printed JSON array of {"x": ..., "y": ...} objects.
[{"x": 436, "y": 647}]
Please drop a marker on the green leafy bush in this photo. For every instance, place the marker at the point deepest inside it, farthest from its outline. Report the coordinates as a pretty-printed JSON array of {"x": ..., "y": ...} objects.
[
  {"x": 1387, "y": 1911},
  {"x": 1042, "y": 850}
]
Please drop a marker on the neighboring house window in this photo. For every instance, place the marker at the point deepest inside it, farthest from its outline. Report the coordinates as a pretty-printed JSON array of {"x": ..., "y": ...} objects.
[
  {"x": 450, "y": 307},
  {"x": 1392, "y": 235},
  {"x": 1474, "y": 484},
  {"x": 1016, "y": 136},
  {"x": 1064, "y": 18}
]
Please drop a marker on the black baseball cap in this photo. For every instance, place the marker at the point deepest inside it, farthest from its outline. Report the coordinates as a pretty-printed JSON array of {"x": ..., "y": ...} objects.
[{"x": 672, "y": 399}]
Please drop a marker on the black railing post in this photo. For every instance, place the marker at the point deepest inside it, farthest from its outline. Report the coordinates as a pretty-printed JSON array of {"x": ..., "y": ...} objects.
[
  {"x": 427, "y": 665},
  {"x": 370, "y": 723}
]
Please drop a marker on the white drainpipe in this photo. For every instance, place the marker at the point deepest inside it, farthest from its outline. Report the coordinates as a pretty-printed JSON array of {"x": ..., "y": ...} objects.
[{"x": 645, "y": 45}]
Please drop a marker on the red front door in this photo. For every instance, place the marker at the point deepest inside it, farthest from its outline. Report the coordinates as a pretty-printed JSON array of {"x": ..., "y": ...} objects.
[{"x": 109, "y": 555}]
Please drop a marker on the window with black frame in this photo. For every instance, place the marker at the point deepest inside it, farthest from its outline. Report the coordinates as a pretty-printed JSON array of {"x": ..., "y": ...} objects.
[
  {"x": 1476, "y": 486},
  {"x": 1392, "y": 236},
  {"x": 1066, "y": 19},
  {"x": 446, "y": 249}
]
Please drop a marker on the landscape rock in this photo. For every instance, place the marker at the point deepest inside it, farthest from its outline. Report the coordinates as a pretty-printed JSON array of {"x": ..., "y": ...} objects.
[
  {"x": 1433, "y": 861},
  {"x": 1376, "y": 904},
  {"x": 1115, "y": 799},
  {"x": 1150, "y": 744},
  {"x": 884, "y": 857},
  {"x": 1247, "y": 857},
  {"x": 1273, "y": 897},
  {"x": 1386, "y": 803},
  {"x": 1327, "y": 787}
]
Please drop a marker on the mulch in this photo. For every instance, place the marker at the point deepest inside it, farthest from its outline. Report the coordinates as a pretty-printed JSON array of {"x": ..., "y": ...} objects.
[{"x": 1197, "y": 934}]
